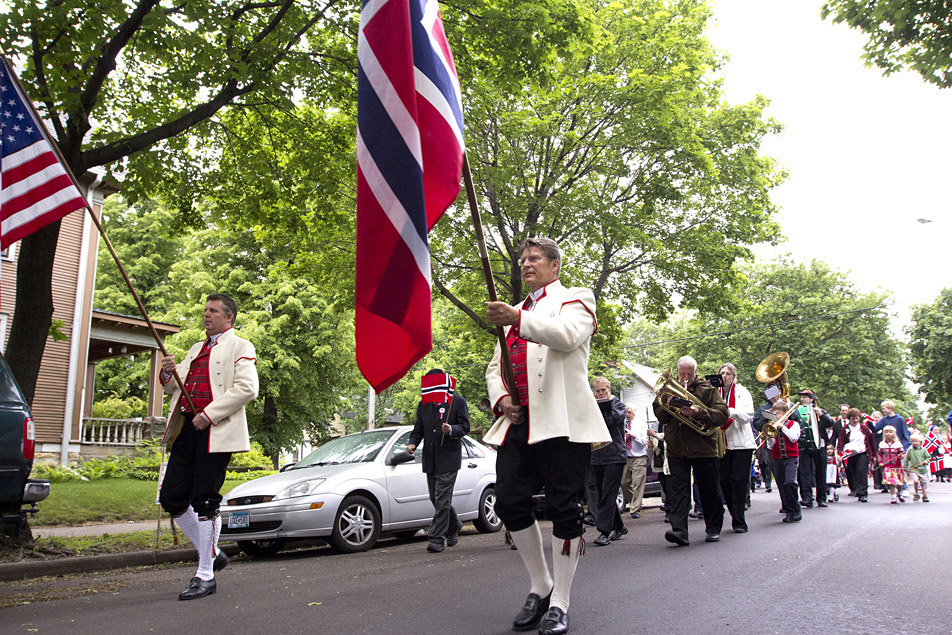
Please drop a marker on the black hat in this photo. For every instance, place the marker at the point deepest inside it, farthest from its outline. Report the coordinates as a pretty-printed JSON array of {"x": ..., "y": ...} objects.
[{"x": 808, "y": 393}]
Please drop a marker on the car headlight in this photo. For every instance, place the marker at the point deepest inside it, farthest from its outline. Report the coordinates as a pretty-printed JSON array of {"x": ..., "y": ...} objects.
[{"x": 301, "y": 488}]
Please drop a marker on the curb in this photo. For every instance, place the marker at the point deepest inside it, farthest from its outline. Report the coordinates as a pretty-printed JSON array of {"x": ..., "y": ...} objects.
[{"x": 83, "y": 564}]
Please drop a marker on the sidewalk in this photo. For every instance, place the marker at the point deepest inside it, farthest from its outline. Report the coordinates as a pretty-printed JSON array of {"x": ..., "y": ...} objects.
[{"x": 98, "y": 530}]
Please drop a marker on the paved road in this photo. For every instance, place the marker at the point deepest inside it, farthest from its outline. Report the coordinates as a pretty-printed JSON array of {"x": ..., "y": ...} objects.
[{"x": 874, "y": 568}]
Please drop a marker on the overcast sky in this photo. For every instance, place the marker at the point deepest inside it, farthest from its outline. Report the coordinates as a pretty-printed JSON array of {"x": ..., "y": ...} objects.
[{"x": 867, "y": 155}]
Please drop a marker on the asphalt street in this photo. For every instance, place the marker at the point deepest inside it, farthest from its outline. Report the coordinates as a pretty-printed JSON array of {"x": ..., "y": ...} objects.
[{"x": 873, "y": 568}]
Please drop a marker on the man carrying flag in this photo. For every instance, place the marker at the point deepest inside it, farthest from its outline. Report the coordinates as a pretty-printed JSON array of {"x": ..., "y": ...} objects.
[
  {"x": 409, "y": 159},
  {"x": 442, "y": 419}
]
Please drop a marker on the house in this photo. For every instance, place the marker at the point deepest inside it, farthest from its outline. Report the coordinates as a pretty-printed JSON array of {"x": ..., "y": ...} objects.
[
  {"x": 639, "y": 393},
  {"x": 67, "y": 371}
]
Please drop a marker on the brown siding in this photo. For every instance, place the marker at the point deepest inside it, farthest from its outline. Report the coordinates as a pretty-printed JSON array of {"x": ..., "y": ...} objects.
[{"x": 49, "y": 404}]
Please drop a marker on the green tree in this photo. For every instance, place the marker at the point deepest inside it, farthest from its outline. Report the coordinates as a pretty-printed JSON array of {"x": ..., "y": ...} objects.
[
  {"x": 902, "y": 35},
  {"x": 630, "y": 158},
  {"x": 930, "y": 353},
  {"x": 838, "y": 339},
  {"x": 138, "y": 86}
]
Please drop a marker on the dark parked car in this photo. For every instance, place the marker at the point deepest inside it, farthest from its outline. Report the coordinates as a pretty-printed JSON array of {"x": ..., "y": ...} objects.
[{"x": 16, "y": 455}]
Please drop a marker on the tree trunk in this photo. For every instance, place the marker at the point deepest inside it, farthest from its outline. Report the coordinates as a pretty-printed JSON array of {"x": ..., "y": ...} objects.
[{"x": 34, "y": 306}]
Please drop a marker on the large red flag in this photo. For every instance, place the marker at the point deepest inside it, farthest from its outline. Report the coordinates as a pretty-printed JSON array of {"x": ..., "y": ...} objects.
[
  {"x": 409, "y": 159},
  {"x": 36, "y": 188}
]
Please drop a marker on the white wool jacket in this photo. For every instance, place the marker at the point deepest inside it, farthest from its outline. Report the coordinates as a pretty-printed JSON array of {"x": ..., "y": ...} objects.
[
  {"x": 740, "y": 434},
  {"x": 558, "y": 329}
]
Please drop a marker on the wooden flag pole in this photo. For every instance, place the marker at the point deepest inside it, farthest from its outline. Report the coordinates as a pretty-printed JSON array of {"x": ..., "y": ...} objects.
[
  {"x": 508, "y": 375},
  {"x": 92, "y": 214}
]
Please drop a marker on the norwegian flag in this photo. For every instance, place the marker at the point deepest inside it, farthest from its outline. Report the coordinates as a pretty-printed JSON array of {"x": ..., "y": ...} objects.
[
  {"x": 409, "y": 160},
  {"x": 937, "y": 464},
  {"x": 437, "y": 388},
  {"x": 932, "y": 442},
  {"x": 36, "y": 188}
]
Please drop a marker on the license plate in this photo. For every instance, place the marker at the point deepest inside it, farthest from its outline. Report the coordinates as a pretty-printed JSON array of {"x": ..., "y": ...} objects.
[{"x": 239, "y": 520}]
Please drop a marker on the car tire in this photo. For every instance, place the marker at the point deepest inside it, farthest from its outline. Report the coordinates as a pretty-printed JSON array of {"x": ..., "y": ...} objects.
[
  {"x": 262, "y": 548},
  {"x": 356, "y": 526},
  {"x": 487, "y": 522}
]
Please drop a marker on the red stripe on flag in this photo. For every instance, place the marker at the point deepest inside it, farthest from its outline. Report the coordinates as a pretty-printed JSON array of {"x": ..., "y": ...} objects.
[
  {"x": 440, "y": 175},
  {"x": 36, "y": 195},
  {"x": 50, "y": 216},
  {"x": 28, "y": 169}
]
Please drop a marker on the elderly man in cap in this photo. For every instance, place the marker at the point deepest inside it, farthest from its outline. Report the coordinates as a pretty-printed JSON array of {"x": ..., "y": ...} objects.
[{"x": 815, "y": 429}]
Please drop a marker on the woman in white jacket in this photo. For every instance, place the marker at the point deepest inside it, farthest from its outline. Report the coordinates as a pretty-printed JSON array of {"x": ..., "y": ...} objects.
[{"x": 735, "y": 464}]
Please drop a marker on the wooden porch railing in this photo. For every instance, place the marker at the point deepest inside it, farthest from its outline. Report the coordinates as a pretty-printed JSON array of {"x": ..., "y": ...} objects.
[{"x": 119, "y": 432}]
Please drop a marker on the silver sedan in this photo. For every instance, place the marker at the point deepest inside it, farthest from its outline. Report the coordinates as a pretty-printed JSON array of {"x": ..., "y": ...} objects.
[{"x": 352, "y": 489}]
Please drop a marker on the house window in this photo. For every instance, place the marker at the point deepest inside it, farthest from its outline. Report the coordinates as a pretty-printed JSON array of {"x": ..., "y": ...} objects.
[{"x": 7, "y": 254}]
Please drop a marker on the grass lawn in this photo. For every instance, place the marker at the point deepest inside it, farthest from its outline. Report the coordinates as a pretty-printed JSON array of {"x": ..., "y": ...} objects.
[{"x": 108, "y": 500}]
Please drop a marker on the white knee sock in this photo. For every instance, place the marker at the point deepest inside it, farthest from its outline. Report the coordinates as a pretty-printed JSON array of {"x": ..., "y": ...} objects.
[
  {"x": 529, "y": 543},
  {"x": 206, "y": 549},
  {"x": 217, "y": 534},
  {"x": 188, "y": 523},
  {"x": 563, "y": 568}
]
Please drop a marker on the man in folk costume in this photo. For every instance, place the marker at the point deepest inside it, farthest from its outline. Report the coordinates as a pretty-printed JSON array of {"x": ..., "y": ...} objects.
[
  {"x": 221, "y": 378},
  {"x": 442, "y": 419},
  {"x": 546, "y": 426},
  {"x": 690, "y": 451},
  {"x": 734, "y": 466},
  {"x": 815, "y": 427}
]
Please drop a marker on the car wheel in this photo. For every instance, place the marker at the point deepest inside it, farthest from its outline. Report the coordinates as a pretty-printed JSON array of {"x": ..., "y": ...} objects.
[
  {"x": 488, "y": 521},
  {"x": 357, "y": 525},
  {"x": 262, "y": 548}
]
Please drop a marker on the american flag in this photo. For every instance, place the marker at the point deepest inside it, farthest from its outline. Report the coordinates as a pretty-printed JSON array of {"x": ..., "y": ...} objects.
[
  {"x": 437, "y": 388},
  {"x": 409, "y": 159},
  {"x": 36, "y": 189}
]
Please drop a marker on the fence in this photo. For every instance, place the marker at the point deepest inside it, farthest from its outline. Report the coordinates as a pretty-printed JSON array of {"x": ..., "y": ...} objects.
[{"x": 119, "y": 432}]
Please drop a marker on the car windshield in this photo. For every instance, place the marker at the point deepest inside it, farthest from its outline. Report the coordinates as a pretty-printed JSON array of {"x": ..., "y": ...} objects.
[
  {"x": 8, "y": 388},
  {"x": 354, "y": 448}
]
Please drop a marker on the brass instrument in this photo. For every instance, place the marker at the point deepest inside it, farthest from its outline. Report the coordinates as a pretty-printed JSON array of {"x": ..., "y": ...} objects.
[
  {"x": 773, "y": 370},
  {"x": 665, "y": 388}
]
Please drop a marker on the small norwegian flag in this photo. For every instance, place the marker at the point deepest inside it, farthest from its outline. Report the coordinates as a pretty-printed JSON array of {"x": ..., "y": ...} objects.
[
  {"x": 437, "y": 388},
  {"x": 937, "y": 464},
  {"x": 932, "y": 442}
]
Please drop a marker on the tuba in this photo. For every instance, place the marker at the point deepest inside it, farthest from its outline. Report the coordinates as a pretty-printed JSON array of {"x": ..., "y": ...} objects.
[
  {"x": 773, "y": 370},
  {"x": 667, "y": 387}
]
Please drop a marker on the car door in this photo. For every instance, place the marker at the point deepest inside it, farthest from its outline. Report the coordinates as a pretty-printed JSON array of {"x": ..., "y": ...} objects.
[
  {"x": 406, "y": 486},
  {"x": 476, "y": 463}
]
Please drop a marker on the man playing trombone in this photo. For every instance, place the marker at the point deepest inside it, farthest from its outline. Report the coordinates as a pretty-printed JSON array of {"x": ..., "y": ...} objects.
[{"x": 692, "y": 411}]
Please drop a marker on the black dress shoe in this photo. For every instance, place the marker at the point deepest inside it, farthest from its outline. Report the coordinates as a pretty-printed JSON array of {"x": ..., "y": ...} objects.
[
  {"x": 618, "y": 533},
  {"x": 822, "y": 504},
  {"x": 807, "y": 504},
  {"x": 198, "y": 588},
  {"x": 435, "y": 547},
  {"x": 452, "y": 540},
  {"x": 769, "y": 489},
  {"x": 589, "y": 520},
  {"x": 740, "y": 530},
  {"x": 712, "y": 537},
  {"x": 677, "y": 537},
  {"x": 532, "y": 612},
  {"x": 602, "y": 540},
  {"x": 695, "y": 515},
  {"x": 863, "y": 499},
  {"x": 792, "y": 518},
  {"x": 636, "y": 515},
  {"x": 221, "y": 561},
  {"x": 556, "y": 622}
]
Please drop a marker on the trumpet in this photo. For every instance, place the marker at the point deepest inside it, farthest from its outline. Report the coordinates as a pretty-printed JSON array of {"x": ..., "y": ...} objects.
[{"x": 667, "y": 388}]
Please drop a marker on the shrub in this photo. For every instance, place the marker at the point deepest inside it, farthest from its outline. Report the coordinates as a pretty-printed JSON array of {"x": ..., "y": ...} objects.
[
  {"x": 55, "y": 473},
  {"x": 141, "y": 474},
  {"x": 112, "y": 407},
  {"x": 250, "y": 475},
  {"x": 255, "y": 458}
]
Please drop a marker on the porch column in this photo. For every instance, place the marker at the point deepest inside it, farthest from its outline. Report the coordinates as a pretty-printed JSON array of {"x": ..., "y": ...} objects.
[{"x": 154, "y": 405}]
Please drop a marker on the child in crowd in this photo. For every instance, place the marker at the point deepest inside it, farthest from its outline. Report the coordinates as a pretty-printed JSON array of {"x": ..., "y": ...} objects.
[
  {"x": 832, "y": 474},
  {"x": 890, "y": 459},
  {"x": 916, "y": 465}
]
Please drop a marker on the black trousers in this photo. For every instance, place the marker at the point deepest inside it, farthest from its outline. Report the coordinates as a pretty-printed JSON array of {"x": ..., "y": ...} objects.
[
  {"x": 735, "y": 483},
  {"x": 764, "y": 460},
  {"x": 445, "y": 521},
  {"x": 785, "y": 473},
  {"x": 857, "y": 468},
  {"x": 523, "y": 470},
  {"x": 194, "y": 475},
  {"x": 812, "y": 472},
  {"x": 608, "y": 482},
  {"x": 679, "y": 492}
]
